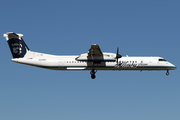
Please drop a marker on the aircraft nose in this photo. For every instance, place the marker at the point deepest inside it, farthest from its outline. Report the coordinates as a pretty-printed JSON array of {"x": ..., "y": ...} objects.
[{"x": 173, "y": 66}]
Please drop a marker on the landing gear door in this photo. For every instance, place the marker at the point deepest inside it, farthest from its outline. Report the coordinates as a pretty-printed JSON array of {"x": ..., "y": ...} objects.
[{"x": 60, "y": 62}]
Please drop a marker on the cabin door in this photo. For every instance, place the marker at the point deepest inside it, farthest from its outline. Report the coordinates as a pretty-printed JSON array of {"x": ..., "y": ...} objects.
[{"x": 60, "y": 62}]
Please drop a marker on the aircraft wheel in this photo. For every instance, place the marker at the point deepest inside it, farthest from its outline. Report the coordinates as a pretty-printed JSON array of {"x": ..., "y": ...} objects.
[
  {"x": 167, "y": 73},
  {"x": 93, "y": 76}
]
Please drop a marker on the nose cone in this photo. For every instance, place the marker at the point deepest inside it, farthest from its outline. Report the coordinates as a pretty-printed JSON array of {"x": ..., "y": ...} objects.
[{"x": 172, "y": 67}]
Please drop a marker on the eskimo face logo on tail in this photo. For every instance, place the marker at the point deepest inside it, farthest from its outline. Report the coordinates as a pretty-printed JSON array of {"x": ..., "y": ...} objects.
[{"x": 17, "y": 47}]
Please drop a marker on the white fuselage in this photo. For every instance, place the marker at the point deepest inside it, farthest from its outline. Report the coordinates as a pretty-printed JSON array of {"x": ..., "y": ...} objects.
[
  {"x": 70, "y": 63},
  {"x": 93, "y": 60}
]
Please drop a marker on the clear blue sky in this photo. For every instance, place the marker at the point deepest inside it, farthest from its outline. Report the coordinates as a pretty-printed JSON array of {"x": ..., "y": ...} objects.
[{"x": 138, "y": 27}]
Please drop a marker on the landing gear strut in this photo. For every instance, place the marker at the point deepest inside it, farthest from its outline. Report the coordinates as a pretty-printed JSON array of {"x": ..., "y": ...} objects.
[
  {"x": 93, "y": 76},
  {"x": 167, "y": 73}
]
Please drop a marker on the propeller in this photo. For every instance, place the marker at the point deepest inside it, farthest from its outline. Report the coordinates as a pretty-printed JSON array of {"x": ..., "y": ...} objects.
[{"x": 118, "y": 55}]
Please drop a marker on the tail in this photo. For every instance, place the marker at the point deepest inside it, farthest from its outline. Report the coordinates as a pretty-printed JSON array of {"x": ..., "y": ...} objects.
[{"x": 16, "y": 44}]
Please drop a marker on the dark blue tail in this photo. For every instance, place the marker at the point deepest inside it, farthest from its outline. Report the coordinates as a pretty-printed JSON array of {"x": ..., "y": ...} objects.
[{"x": 16, "y": 44}]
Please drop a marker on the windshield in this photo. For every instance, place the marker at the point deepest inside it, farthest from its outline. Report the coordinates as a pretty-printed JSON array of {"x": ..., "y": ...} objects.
[{"x": 162, "y": 60}]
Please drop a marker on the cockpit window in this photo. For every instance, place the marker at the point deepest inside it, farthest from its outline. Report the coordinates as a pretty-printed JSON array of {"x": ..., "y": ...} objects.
[{"x": 162, "y": 60}]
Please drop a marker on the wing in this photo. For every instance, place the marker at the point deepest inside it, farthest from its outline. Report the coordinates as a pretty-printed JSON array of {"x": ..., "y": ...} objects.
[
  {"x": 94, "y": 51},
  {"x": 96, "y": 55}
]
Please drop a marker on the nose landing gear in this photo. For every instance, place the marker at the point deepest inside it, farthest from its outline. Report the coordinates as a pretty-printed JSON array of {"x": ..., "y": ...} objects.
[
  {"x": 93, "y": 76},
  {"x": 167, "y": 73}
]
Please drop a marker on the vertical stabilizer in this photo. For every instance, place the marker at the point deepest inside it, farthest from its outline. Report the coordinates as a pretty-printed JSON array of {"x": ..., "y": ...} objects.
[{"x": 16, "y": 44}]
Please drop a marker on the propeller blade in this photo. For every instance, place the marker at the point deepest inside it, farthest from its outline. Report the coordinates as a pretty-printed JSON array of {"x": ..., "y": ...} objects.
[
  {"x": 117, "y": 50},
  {"x": 118, "y": 55}
]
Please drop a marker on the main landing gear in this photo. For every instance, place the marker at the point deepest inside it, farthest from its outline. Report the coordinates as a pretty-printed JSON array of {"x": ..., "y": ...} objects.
[
  {"x": 93, "y": 76},
  {"x": 167, "y": 73}
]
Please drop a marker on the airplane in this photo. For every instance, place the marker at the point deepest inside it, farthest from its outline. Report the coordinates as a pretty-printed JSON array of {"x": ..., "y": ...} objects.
[{"x": 94, "y": 60}]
